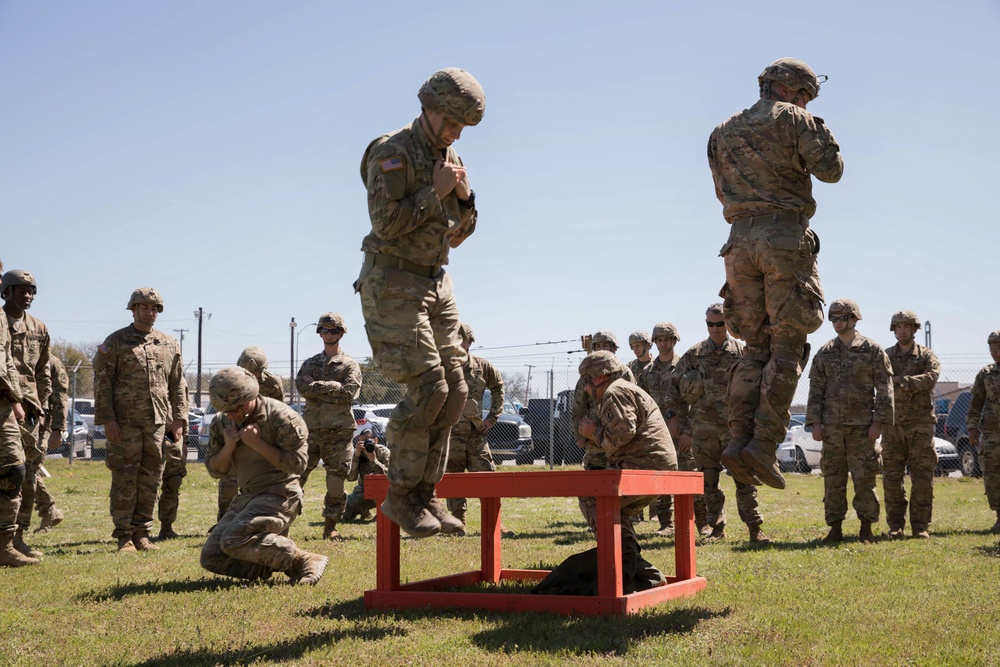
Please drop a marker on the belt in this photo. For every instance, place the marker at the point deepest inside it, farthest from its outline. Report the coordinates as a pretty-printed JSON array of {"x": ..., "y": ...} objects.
[
  {"x": 392, "y": 262},
  {"x": 785, "y": 217}
]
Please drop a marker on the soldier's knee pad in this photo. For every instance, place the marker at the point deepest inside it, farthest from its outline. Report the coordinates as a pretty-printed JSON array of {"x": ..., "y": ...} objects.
[
  {"x": 789, "y": 350},
  {"x": 426, "y": 395},
  {"x": 12, "y": 480},
  {"x": 173, "y": 483},
  {"x": 458, "y": 392},
  {"x": 711, "y": 476}
]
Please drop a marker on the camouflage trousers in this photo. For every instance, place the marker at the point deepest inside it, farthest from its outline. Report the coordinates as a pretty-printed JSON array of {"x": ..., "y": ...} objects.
[
  {"x": 228, "y": 488},
  {"x": 174, "y": 472},
  {"x": 989, "y": 463},
  {"x": 664, "y": 505},
  {"x": 335, "y": 448},
  {"x": 247, "y": 542},
  {"x": 412, "y": 326},
  {"x": 357, "y": 504},
  {"x": 708, "y": 445},
  {"x": 594, "y": 458},
  {"x": 136, "y": 463},
  {"x": 847, "y": 449},
  {"x": 772, "y": 299},
  {"x": 33, "y": 458},
  {"x": 911, "y": 444},
  {"x": 468, "y": 450},
  {"x": 44, "y": 501},
  {"x": 11, "y": 470}
]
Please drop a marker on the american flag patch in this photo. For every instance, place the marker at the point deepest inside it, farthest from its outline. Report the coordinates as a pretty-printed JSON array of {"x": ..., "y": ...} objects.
[
  {"x": 392, "y": 164},
  {"x": 104, "y": 348}
]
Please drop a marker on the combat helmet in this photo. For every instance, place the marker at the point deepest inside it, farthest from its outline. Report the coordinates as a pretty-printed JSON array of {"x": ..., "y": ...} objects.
[
  {"x": 231, "y": 387},
  {"x": 793, "y": 73},
  {"x": 844, "y": 307},
  {"x": 466, "y": 332},
  {"x": 17, "y": 277},
  {"x": 455, "y": 93},
  {"x": 145, "y": 295},
  {"x": 993, "y": 338},
  {"x": 638, "y": 336},
  {"x": 604, "y": 337},
  {"x": 330, "y": 321},
  {"x": 600, "y": 363},
  {"x": 666, "y": 329},
  {"x": 253, "y": 359},
  {"x": 903, "y": 317}
]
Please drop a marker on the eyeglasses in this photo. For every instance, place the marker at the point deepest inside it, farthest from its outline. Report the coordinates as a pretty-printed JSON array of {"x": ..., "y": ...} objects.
[
  {"x": 839, "y": 318},
  {"x": 715, "y": 324},
  {"x": 326, "y": 330}
]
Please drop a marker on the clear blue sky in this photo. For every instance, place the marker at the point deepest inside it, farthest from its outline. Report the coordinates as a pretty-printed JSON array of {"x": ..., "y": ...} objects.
[{"x": 211, "y": 150}]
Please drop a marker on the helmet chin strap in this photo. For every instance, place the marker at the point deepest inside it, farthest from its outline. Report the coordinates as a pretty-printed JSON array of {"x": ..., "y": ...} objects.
[{"x": 426, "y": 120}]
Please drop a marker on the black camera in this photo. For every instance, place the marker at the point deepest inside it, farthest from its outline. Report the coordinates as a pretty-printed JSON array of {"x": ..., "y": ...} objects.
[{"x": 369, "y": 445}]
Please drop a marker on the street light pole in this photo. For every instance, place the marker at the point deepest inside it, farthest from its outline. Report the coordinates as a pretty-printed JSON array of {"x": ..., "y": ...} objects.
[
  {"x": 200, "y": 314},
  {"x": 298, "y": 337},
  {"x": 291, "y": 353}
]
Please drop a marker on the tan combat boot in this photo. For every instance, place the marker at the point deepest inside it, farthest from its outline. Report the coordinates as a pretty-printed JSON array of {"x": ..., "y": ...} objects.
[
  {"x": 718, "y": 532},
  {"x": 11, "y": 557},
  {"x": 125, "y": 545},
  {"x": 706, "y": 531},
  {"x": 307, "y": 568},
  {"x": 330, "y": 529},
  {"x": 18, "y": 543},
  {"x": 836, "y": 533},
  {"x": 757, "y": 535},
  {"x": 865, "y": 534},
  {"x": 760, "y": 460},
  {"x": 143, "y": 543},
  {"x": 50, "y": 520},
  {"x": 895, "y": 533},
  {"x": 166, "y": 531},
  {"x": 921, "y": 533},
  {"x": 450, "y": 524},
  {"x": 666, "y": 527},
  {"x": 404, "y": 508}
]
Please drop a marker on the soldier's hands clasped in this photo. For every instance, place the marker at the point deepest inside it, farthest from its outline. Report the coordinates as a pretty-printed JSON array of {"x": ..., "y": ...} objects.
[{"x": 446, "y": 177}]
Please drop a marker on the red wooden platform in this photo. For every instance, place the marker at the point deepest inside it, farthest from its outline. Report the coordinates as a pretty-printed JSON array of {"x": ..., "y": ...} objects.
[{"x": 608, "y": 486}]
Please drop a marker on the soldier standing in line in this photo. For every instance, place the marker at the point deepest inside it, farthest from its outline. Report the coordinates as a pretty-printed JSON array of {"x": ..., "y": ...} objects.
[
  {"x": 697, "y": 401},
  {"x": 370, "y": 458},
  {"x": 639, "y": 342},
  {"x": 51, "y": 434},
  {"x": 983, "y": 423},
  {"x": 421, "y": 205},
  {"x": 330, "y": 381},
  {"x": 254, "y": 360},
  {"x": 655, "y": 380},
  {"x": 850, "y": 398},
  {"x": 11, "y": 454},
  {"x": 174, "y": 472},
  {"x": 139, "y": 395},
  {"x": 910, "y": 440},
  {"x": 264, "y": 442},
  {"x": 30, "y": 350},
  {"x": 762, "y": 161}
]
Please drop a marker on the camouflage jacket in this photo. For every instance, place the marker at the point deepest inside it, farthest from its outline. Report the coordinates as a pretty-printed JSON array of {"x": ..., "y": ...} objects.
[
  {"x": 328, "y": 406},
  {"x": 655, "y": 380},
  {"x": 139, "y": 379},
  {"x": 408, "y": 219},
  {"x": 631, "y": 430},
  {"x": 10, "y": 380},
  {"x": 850, "y": 385},
  {"x": 59, "y": 398},
  {"x": 480, "y": 375},
  {"x": 29, "y": 346},
  {"x": 984, "y": 410},
  {"x": 585, "y": 406},
  {"x": 762, "y": 159},
  {"x": 270, "y": 386},
  {"x": 918, "y": 372},
  {"x": 361, "y": 466},
  {"x": 638, "y": 367},
  {"x": 280, "y": 426},
  {"x": 697, "y": 392}
]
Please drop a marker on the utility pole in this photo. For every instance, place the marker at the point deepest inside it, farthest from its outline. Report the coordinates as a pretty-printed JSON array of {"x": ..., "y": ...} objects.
[
  {"x": 527, "y": 388},
  {"x": 180, "y": 335},
  {"x": 200, "y": 314},
  {"x": 291, "y": 355},
  {"x": 927, "y": 333}
]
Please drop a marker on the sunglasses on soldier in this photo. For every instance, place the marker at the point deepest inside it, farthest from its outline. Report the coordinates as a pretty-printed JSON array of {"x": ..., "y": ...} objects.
[
  {"x": 715, "y": 324},
  {"x": 328, "y": 330},
  {"x": 839, "y": 318}
]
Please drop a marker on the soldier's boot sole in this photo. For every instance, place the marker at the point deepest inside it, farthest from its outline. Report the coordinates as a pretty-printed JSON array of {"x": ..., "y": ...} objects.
[
  {"x": 411, "y": 521},
  {"x": 760, "y": 458},
  {"x": 734, "y": 464},
  {"x": 308, "y": 568},
  {"x": 50, "y": 520}
]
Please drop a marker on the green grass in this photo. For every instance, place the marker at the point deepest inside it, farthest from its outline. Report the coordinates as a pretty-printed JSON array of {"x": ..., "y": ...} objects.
[{"x": 904, "y": 602}]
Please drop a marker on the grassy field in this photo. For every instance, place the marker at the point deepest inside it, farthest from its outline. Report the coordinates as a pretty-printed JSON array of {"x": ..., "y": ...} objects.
[{"x": 798, "y": 602}]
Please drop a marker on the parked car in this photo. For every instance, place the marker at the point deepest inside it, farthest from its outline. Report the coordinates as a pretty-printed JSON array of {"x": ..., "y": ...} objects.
[
  {"x": 85, "y": 408},
  {"x": 538, "y": 414},
  {"x": 510, "y": 437},
  {"x": 80, "y": 437},
  {"x": 98, "y": 443},
  {"x": 376, "y": 412},
  {"x": 956, "y": 433},
  {"x": 799, "y": 452}
]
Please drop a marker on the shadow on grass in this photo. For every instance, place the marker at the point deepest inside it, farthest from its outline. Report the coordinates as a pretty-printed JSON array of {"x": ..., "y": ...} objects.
[
  {"x": 993, "y": 551},
  {"x": 123, "y": 591}
]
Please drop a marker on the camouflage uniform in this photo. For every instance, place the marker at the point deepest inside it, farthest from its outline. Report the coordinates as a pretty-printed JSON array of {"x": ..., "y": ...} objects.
[
  {"x": 55, "y": 421},
  {"x": 138, "y": 383},
  {"x": 655, "y": 380},
  {"x": 697, "y": 396},
  {"x": 849, "y": 388},
  {"x": 468, "y": 449},
  {"x": 911, "y": 439},
  {"x": 594, "y": 456},
  {"x": 174, "y": 472},
  {"x": 984, "y": 416},
  {"x": 761, "y": 160},
  {"x": 30, "y": 350},
  {"x": 270, "y": 387},
  {"x": 249, "y": 541},
  {"x": 11, "y": 449},
  {"x": 637, "y": 367},
  {"x": 330, "y": 421},
  {"x": 357, "y": 504}
]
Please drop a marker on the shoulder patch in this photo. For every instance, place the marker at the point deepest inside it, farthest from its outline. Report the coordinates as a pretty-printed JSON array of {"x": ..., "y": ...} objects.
[
  {"x": 104, "y": 349},
  {"x": 392, "y": 164}
]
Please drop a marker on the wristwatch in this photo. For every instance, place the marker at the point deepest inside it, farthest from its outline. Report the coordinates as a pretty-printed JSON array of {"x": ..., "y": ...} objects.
[{"x": 470, "y": 202}]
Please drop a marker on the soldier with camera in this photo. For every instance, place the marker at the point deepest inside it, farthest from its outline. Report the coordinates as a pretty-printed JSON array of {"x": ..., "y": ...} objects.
[{"x": 370, "y": 458}]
